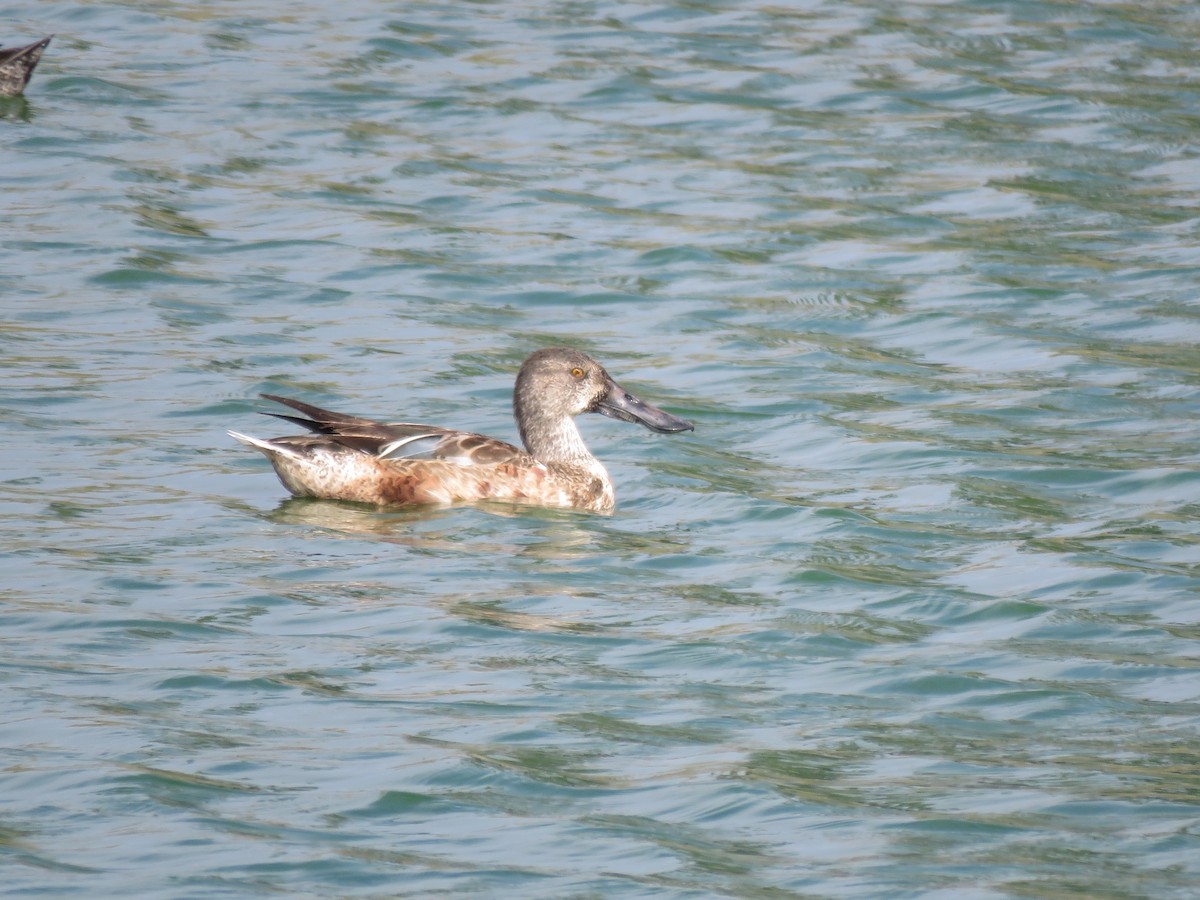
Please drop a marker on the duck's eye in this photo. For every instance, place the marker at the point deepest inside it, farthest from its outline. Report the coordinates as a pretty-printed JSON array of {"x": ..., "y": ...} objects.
[{"x": 577, "y": 372}]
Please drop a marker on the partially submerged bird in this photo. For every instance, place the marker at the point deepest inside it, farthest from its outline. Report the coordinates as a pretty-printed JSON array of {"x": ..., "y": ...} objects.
[
  {"x": 402, "y": 463},
  {"x": 17, "y": 65}
]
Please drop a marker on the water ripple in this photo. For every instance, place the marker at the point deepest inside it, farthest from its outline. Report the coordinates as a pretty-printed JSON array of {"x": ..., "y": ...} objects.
[{"x": 911, "y": 613}]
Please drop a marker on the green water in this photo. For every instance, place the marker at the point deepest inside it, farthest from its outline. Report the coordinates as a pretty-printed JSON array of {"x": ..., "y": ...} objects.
[{"x": 915, "y": 612}]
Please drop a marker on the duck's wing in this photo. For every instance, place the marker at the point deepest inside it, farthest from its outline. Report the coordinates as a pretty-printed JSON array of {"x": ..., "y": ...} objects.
[
  {"x": 17, "y": 65},
  {"x": 400, "y": 440},
  {"x": 31, "y": 53}
]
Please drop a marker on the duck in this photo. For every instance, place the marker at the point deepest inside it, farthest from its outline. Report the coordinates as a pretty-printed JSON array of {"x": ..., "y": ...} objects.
[
  {"x": 349, "y": 458},
  {"x": 17, "y": 65}
]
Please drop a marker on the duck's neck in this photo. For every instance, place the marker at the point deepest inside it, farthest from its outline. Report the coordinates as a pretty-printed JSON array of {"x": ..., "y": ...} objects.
[{"x": 555, "y": 440}]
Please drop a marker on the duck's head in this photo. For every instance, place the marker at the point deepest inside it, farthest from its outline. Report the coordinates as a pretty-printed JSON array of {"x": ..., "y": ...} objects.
[{"x": 560, "y": 383}]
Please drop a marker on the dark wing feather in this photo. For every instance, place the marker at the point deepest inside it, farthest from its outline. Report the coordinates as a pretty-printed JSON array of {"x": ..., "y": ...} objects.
[
  {"x": 17, "y": 65},
  {"x": 31, "y": 53},
  {"x": 400, "y": 440},
  {"x": 318, "y": 419}
]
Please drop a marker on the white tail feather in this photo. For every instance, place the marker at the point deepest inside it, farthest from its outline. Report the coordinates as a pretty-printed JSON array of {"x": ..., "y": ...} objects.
[{"x": 266, "y": 447}]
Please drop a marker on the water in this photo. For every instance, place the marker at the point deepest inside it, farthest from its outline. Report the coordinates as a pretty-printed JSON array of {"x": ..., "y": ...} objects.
[{"x": 912, "y": 614}]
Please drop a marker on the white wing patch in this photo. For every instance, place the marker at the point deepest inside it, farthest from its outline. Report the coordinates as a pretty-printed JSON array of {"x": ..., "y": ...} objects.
[{"x": 401, "y": 443}]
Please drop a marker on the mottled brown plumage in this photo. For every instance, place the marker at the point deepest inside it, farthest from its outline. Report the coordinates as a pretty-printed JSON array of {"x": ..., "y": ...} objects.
[
  {"x": 403, "y": 463},
  {"x": 17, "y": 65}
]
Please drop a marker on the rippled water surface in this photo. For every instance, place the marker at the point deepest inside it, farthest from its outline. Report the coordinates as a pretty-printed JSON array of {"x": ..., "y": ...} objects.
[{"x": 915, "y": 612}]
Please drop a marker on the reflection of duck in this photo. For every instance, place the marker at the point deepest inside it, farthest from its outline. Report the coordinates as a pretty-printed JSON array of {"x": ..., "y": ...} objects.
[
  {"x": 349, "y": 458},
  {"x": 17, "y": 65}
]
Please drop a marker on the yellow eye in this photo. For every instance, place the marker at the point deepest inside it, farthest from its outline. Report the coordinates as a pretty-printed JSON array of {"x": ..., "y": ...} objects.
[{"x": 577, "y": 372}]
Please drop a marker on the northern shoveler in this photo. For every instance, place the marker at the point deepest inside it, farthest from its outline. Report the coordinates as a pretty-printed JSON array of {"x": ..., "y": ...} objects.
[
  {"x": 348, "y": 458},
  {"x": 17, "y": 65}
]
